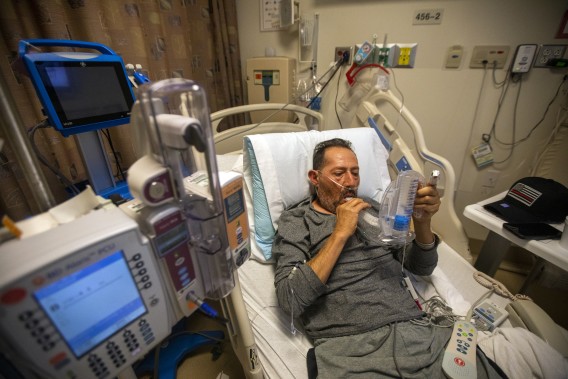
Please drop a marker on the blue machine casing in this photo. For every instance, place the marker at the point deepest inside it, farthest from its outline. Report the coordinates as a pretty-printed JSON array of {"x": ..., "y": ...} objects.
[{"x": 102, "y": 96}]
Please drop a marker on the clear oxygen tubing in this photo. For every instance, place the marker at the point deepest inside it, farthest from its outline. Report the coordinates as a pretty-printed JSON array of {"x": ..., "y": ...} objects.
[{"x": 354, "y": 189}]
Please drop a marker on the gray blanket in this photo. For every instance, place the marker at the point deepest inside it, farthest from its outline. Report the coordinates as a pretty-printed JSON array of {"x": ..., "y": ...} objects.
[{"x": 393, "y": 351}]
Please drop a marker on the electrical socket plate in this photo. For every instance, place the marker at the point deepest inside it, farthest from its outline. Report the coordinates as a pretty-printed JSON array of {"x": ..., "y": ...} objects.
[
  {"x": 490, "y": 54},
  {"x": 404, "y": 55},
  {"x": 548, "y": 52}
]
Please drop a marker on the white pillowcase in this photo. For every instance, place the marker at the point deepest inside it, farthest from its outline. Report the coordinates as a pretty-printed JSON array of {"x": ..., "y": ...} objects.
[{"x": 276, "y": 165}]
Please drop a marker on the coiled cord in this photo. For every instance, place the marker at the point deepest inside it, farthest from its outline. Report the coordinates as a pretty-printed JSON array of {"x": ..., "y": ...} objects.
[{"x": 496, "y": 286}]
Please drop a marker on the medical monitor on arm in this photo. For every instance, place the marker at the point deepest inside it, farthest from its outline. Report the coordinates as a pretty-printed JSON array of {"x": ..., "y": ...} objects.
[{"x": 79, "y": 92}]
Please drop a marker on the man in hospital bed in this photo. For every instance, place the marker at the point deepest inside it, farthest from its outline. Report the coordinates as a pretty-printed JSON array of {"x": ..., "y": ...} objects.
[{"x": 347, "y": 289}]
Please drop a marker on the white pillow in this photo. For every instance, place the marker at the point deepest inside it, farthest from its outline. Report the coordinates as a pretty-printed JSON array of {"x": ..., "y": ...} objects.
[{"x": 277, "y": 166}]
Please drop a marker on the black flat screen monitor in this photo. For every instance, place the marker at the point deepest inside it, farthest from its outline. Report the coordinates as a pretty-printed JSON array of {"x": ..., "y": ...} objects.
[{"x": 82, "y": 96}]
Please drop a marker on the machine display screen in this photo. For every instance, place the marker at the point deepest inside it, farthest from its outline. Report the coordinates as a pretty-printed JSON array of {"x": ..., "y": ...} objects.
[
  {"x": 234, "y": 205},
  {"x": 86, "y": 93},
  {"x": 92, "y": 304}
]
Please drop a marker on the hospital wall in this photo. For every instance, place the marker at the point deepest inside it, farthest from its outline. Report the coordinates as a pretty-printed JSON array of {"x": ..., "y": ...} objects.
[{"x": 445, "y": 101}]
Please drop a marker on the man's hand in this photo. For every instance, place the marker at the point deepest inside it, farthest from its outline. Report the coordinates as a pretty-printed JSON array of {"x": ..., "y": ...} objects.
[
  {"x": 427, "y": 203},
  {"x": 347, "y": 215}
]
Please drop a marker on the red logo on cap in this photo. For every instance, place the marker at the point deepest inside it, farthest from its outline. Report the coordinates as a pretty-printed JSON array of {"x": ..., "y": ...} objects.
[{"x": 525, "y": 194}]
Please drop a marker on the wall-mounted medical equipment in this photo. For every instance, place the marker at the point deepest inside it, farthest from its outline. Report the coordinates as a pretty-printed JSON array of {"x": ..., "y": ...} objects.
[
  {"x": 289, "y": 10},
  {"x": 523, "y": 60},
  {"x": 81, "y": 93},
  {"x": 270, "y": 80},
  {"x": 83, "y": 299}
]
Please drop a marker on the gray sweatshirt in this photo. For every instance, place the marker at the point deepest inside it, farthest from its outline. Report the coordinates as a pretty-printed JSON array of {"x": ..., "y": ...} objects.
[{"x": 364, "y": 291}]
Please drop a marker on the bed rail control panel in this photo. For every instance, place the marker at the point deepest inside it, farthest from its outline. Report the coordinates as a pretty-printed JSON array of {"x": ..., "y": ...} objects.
[{"x": 94, "y": 310}]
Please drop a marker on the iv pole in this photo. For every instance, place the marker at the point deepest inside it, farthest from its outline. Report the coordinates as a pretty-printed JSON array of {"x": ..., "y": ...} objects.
[{"x": 12, "y": 124}]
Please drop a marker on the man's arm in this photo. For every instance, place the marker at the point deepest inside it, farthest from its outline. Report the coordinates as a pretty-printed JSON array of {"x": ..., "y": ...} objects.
[
  {"x": 422, "y": 257},
  {"x": 347, "y": 215}
]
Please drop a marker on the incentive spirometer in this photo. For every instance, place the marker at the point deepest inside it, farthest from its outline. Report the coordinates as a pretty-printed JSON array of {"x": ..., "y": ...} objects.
[
  {"x": 396, "y": 208},
  {"x": 86, "y": 296}
]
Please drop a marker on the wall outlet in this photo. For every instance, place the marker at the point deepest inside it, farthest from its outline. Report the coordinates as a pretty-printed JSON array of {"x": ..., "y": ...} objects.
[
  {"x": 488, "y": 56},
  {"x": 404, "y": 55},
  {"x": 489, "y": 181},
  {"x": 548, "y": 52},
  {"x": 490, "y": 178},
  {"x": 341, "y": 51}
]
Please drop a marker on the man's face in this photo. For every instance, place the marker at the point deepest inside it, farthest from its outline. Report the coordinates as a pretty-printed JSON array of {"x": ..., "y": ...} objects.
[{"x": 338, "y": 179}]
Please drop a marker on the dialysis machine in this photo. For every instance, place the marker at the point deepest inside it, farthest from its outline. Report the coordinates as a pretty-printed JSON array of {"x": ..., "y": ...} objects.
[{"x": 85, "y": 294}]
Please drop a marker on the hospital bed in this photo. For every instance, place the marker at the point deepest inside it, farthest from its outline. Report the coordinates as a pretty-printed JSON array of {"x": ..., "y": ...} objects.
[{"x": 274, "y": 161}]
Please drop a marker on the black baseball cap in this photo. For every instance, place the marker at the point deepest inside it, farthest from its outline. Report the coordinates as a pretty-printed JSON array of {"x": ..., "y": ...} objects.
[{"x": 533, "y": 199}]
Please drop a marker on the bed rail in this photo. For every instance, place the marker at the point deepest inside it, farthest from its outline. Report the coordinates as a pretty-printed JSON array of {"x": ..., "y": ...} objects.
[{"x": 230, "y": 140}]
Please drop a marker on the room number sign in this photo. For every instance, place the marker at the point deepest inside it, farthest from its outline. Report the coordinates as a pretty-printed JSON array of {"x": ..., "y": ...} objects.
[{"x": 428, "y": 16}]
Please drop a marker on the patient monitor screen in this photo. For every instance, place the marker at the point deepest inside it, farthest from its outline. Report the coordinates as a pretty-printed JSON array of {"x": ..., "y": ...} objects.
[
  {"x": 93, "y": 303},
  {"x": 85, "y": 93}
]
